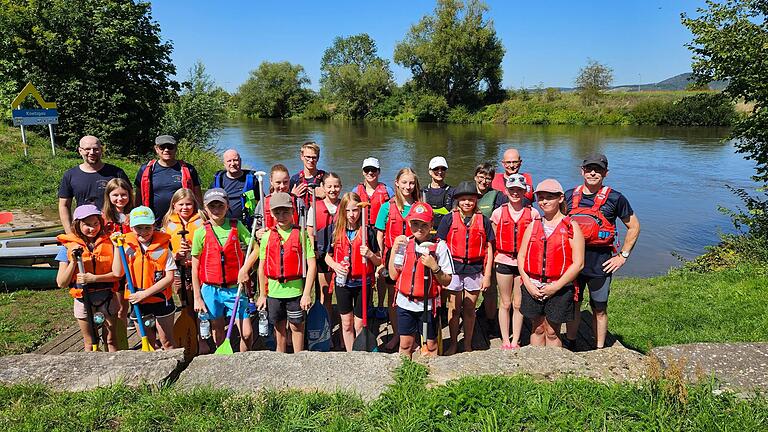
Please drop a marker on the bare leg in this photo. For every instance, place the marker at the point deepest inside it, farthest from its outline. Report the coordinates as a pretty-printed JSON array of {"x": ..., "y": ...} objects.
[
  {"x": 217, "y": 330},
  {"x": 164, "y": 327},
  {"x": 348, "y": 329},
  {"x": 539, "y": 333},
  {"x": 324, "y": 279},
  {"x": 517, "y": 316},
  {"x": 281, "y": 336},
  {"x": 406, "y": 345},
  {"x": 468, "y": 314},
  {"x": 601, "y": 326},
  {"x": 86, "y": 333},
  {"x": 297, "y": 336},
  {"x": 246, "y": 334},
  {"x": 572, "y": 327},
  {"x": 552, "y": 332},
  {"x": 109, "y": 327},
  {"x": 505, "y": 283},
  {"x": 392, "y": 310}
]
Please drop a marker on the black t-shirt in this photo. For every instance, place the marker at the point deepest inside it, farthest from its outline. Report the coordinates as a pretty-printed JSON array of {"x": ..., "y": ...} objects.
[
  {"x": 165, "y": 182},
  {"x": 88, "y": 188},
  {"x": 458, "y": 266},
  {"x": 616, "y": 207},
  {"x": 234, "y": 189},
  {"x": 439, "y": 198}
]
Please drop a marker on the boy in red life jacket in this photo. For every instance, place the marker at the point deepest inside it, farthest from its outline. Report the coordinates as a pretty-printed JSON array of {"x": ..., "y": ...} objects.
[
  {"x": 550, "y": 258},
  {"x": 217, "y": 268},
  {"x": 152, "y": 268},
  {"x": 423, "y": 271},
  {"x": 310, "y": 155},
  {"x": 470, "y": 239},
  {"x": 283, "y": 290}
]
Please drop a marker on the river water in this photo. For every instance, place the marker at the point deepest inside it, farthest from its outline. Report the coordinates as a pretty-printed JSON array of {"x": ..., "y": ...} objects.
[{"x": 674, "y": 178}]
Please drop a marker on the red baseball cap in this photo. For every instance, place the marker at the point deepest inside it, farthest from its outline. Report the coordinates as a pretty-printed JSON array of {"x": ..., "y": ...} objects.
[{"x": 420, "y": 211}]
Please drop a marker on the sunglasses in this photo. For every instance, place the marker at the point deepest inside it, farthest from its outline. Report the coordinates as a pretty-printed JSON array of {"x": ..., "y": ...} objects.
[
  {"x": 370, "y": 170},
  {"x": 439, "y": 169},
  {"x": 167, "y": 147}
]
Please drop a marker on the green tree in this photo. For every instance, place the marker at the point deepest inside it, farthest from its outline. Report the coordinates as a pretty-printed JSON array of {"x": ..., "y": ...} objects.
[
  {"x": 274, "y": 90},
  {"x": 592, "y": 80},
  {"x": 454, "y": 53},
  {"x": 354, "y": 78},
  {"x": 197, "y": 113},
  {"x": 102, "y": 61}
]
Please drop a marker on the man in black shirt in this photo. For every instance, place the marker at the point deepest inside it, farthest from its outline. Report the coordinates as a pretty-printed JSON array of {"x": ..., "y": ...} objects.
[
  {"x": 86, "y": 182},
  {"x": 596, "y": 207},
  {"x": 236, "y": 182}
]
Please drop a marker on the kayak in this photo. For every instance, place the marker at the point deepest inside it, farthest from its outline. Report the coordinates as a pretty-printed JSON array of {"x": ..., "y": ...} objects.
[
  {"x": 29, "y": 251},
  {"x": 17, "y": 277}
]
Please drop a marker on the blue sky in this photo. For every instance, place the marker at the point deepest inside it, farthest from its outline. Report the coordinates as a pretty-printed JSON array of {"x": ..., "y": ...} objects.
[{"x": 546, "y": 41}]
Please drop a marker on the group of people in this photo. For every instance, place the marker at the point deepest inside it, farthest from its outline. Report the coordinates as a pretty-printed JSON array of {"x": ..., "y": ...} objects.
[{"x": 424, "y": 250}]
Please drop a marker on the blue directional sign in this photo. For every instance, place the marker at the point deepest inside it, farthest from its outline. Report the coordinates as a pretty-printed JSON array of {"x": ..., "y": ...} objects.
[{"x": 28, "y": 117}]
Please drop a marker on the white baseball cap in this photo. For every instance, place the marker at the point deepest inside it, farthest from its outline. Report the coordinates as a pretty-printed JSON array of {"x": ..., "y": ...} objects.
[
  {"x": 437, "y": 161},
  {"x": 516, "y": 180},
  {"x": 371, "y": 162}
]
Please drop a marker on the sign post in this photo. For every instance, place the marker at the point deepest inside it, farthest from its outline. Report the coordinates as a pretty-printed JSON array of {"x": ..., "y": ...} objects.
[{"x": 48, "y": 115}]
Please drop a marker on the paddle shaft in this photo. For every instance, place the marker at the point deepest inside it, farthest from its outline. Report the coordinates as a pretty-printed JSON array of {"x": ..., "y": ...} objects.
[
  {"x": 240, "y": 285},
  {"x": 181, "y": 264},
  {"x": 78, "y": 254},
  {"x": 365, "y": 268}
]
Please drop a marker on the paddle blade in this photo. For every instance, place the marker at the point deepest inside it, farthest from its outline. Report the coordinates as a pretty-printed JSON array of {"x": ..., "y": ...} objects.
[
  {"x": 185, "y": 335},
  {"x": 225, "y": 348},
  {"x": 121, "y": 334},
  {"x": 6, "y": 217},
  {"x": 365, "y": 341},
  {"x": 145, "y": 346}
]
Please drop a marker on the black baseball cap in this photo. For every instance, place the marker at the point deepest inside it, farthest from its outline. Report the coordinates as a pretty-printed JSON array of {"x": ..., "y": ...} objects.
[{"x": 596, "y": 159}]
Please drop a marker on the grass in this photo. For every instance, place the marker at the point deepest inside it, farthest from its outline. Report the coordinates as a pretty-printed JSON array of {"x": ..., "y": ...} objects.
[
  {"x": 28, "y": 319},
  {"x": 479, "y": 404}
]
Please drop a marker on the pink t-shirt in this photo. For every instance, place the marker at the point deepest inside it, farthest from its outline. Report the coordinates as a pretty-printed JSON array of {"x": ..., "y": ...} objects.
[{"x": 503, "y": 258}]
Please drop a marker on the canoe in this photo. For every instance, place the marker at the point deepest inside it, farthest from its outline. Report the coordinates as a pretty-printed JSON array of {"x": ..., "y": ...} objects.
[
  {"x": 29, "y": 251},
  {"x": 15, "y": 277}
]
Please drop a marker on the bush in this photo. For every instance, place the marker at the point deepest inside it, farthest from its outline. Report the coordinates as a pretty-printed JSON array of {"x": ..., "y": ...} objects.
[
  {"x": 460, "y": 114},
  {"x": 388, "y": 108},
  {"x": 429, "y": 107},
  {"x": 552, "y": 94},
  {"x": 317, "y": 110},
  {"x": 703, "y": 109},
  {"x": 650, "y": 112}
]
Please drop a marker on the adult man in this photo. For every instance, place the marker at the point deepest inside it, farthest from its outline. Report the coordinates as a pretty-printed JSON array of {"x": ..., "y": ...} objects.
[
  {"x": 512, "y": 164},
  {"x": 309, "y": 154},
  {"x": 438, "y": 194},
  {"x": 158, "y": 179},
  {"x": 86, "y": 182},
  {"x": 596, "y": 207},
  {"x": 237, "y": 182}
]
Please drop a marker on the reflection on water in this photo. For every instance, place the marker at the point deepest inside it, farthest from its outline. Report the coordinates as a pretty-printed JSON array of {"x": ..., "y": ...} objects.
[{"x": 674, "y": 177}]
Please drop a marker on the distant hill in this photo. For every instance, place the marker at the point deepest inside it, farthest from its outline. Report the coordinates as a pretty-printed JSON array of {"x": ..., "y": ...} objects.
[{"x": 677, "y": 82}]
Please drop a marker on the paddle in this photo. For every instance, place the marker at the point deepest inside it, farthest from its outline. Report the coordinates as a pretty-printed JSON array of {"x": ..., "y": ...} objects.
[
  {"x": 226, "y": 347},
  {"x": 145, "y": 345},
  {"x": 185, "y": 328},
  {"x": 78, "y": 255},
  {"x": 318, "y": 328},
  {"x": 6, "y": 217},
  {"x": 366, "y": 340},
  {"x": 424, "y": 246}
]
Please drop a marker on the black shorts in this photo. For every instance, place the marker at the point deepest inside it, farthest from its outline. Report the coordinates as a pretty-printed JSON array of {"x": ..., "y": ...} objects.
[
  {"x": 159, "y": 310},
  {"x": 410, "y": 323},
  {"x": 507, "y": 269},
  {"x": 351, "y": 300},
  {"x": 559, "y": 308},
  {"x": 281, "y": 309}
]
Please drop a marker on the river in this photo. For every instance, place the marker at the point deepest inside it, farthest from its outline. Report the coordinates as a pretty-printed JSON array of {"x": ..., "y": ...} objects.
[{"x": 674, "y": 178}]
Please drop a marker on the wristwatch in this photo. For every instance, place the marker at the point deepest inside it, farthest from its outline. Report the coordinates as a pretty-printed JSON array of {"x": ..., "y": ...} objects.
[
  {"x": 624, "y": 254},
  {"x": 438, "y": 271}
]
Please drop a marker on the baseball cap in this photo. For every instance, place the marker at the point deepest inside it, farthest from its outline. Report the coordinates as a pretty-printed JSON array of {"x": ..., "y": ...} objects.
[
  {"x": 215, "y": 194},
  {"x": 420, "y": 211},
  {"x": 142, "y": 216},
  {"x": 280, "y": 199},
  {"x": 438, "y": 161},
  {"x": 371, "y": 162},
  {"x": 516, "y": 180},
  {"x": 596, "y": 159},
  {"x": 86, "y": 210},
  {"x": 165, "y": 139},
  {"x": 549, "y": 185}
]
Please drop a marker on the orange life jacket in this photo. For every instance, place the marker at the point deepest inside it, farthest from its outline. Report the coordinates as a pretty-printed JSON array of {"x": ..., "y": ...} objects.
[
  {"x": 343, "y": 248},
  {"x": 175, "y": 224},
  {"x": 284, "y": 259},
  {"x": 467, "y": 244},
  {"x": 547, "y": 258},
  {"x": 377, "y": 198},
  {"x": 269, "y": 220},
  {"x": 414, "y": 279},
  {"x": 97, "y": 262},
  {"x": 148, "y": 266},
  {"x": 395, "y": 226},
  {"x": 146, "y": 181},
  {"x": 509, "y": 234},
  {"x": 597, "y": 229},
  {"x": 220, "y": 265}
]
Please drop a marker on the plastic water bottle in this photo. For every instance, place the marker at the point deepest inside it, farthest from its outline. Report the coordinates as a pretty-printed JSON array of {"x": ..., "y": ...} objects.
[
  {"x": 98, "y": 319},
  {"x": 205, "y": 325},
  {"x": 341, "y": 278},
  {"x": 263, "y": 323},
  {"x": 400, "y": 255}
]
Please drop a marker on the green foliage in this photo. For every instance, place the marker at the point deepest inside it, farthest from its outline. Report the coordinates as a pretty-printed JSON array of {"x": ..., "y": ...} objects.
[
  {"x": 460, "y": 114},
  {"x": 317, "y": 110},
  {"x": 354, "y": 78},
  {"x": 389, "y": 107},
  {"x": 275, "y": 90},
  {"x": 102, "y": 61},
  {"x": 592, "y": 80},
  {"x": 701, "y": 109},
  {"x": 197, "y": 113},
  {"x": 28, "y": 319},
  {"x": 454, "y": 53},
  {"x": 552, "y": 94},
  {"x": 429, "y": 107}
]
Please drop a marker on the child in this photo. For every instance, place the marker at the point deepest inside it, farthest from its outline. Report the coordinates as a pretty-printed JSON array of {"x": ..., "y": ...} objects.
[
  {"x": 347, "y": 247},
  {"x": 552, "y": 253},
  {"x": 309, "y": 155},
  {"x": 279, "y": 179},
  {"x": 284, "y": 293},
  {"x": 217, "y": 268},
  {"x": 509, "y": 223},
  {"x": 88, "y": 235},
  {"x": 118, "y": 203},
  {"x": 372, "y": 190},
  {"x": 470, "y": 238},
  {"x": 183, "y": 215},
  {"x": 149, "y": 257},
  {"x": 326, "y": 217},
  {"x": 424, "y": 270},
  {"x": 390, "y": 224}
]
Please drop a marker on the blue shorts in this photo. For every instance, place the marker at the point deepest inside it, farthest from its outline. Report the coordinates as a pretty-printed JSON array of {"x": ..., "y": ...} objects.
[
  {"x": 221, "y": 301},
  {"x": 410, "y": 323}
]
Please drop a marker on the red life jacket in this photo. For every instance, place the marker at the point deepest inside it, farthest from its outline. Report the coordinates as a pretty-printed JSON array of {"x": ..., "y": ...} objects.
[
  {"x": 317, "y": 179},
  {"x": 597, "y": 229},
  {"x": 414, "y": 279},
  {"x": 97, "y": 262},
  {"x": 146, "y": 181},
  {"x": 283, "y": 261},
  {"x": 500, "y": 184},
  {"x": 343, "y": 248},
  {"x": 547, "y": 258},
  {"x": 379, "y": 197},
  {"x": 509, "y": 234},
  {"x": 323, "y": 216},
  {"x": 220, "y": 265},
  {"x": 467, "y": 244},
  {"x": 269, "y": 220},
  {"x": 395, "y": 226}
]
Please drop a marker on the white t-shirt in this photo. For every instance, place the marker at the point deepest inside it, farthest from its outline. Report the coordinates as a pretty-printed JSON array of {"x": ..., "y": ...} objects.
[{"x": 445, "y": 262}]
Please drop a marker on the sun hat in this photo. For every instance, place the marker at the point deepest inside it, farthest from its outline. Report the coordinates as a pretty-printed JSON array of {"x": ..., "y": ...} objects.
[
  {"x": 142, "y": 216},
  {"x": 438, "y": 161},
  {"x": 549, "y": 185},
  {"x": 420, "y": 211},
  {"x": 596, "y": 159},
  {"x": 86, "y": 210},
  {"x": 516, "y": 181},
  {"x": 466, "y": 188},
  {"x": 371, "y": 162},
  {"x": 215, "y": 194},
  {"x": 280, "y": 199}
]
